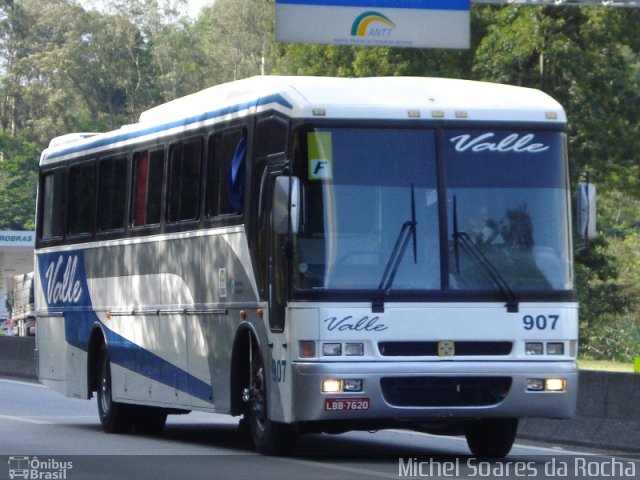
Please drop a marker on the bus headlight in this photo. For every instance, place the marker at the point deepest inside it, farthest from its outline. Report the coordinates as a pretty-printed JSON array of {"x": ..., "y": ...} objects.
[
  {"x": 535, "y": 384},
  {"x": 555, "y": 384},
  {"x": 533, "y": 348},
  {"x": 335, "y": 385},
  {"x": 331, "y": 349},
  {"x": 331, "y": 385},
  {"x": 352, "y": 385},
  {"x": 354, "y": 349},
  {"x": 555, "y": 348},
  {"x": 547, "y": 384}
]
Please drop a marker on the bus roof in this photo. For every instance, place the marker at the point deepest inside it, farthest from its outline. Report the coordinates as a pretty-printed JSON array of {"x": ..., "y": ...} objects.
[{"x": 325, "y": 97}]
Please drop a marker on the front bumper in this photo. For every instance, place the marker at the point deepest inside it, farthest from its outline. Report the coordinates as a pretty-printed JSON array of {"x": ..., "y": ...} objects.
[{"x": 453, "y": 381}]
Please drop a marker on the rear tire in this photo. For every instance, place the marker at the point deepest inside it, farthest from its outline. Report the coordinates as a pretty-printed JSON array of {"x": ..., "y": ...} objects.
[
  {"x": 269, "y": 437},
  {"x": 491, "y": 437},
  {"x": 115, "y": 417}
]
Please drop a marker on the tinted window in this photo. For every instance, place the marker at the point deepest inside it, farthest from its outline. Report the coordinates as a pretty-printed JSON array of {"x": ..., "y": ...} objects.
[
  {"x": 184, "y": 180},
  {"x": 53, "y": 203},
  {"x": 507, "y": 202},
  {"x": 226, "y": 173},
  {"x": 112, "y": 193},
  {"x": 148, "y": 174},
  {"x": 81, "y": 199}
]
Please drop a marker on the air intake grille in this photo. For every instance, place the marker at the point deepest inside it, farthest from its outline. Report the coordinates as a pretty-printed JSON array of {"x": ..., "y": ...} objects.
[
  {"x": 444, "y": 391},
  {"x": 430, "y": 349}
]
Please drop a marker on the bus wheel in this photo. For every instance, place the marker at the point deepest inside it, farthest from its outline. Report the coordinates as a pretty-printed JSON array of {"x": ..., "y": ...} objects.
[
  {"x": 491, "y": 437},
  {"x": 269, "y": 438},
  {"x": 115, "y": 417}
]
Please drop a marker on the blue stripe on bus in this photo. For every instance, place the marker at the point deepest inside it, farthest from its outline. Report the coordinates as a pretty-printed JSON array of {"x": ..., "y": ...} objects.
[
  {"x": 62, "y": 276},
  {"x": 131, "y": 356},
  {"x": 123, "y": 137},
  {"x": 415, "y": 4}
]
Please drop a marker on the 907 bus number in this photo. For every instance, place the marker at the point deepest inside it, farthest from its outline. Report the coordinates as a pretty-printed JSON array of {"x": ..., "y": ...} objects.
[{"x": 540, "y": 322}]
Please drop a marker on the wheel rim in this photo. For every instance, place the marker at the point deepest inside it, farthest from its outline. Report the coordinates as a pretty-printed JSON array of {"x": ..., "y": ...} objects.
[
  {"x": 258, "y": 405},
  {"x": 105, "y": 386}
]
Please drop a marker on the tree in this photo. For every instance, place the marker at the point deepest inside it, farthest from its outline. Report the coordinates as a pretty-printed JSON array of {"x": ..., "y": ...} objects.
[
  {"x": 236, "y": 38},
  {"x": 18, "y": 165}
]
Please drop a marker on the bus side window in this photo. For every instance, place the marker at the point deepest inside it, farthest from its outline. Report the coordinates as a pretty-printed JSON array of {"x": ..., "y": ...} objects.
[
  {"x": 81, "y": 199},
  {"x": 148, "y": 175},
  {"x": 53, "y": 204},
  {"x": 225, "y": 173},
  {"x": 185, "y": 162},
  {"x": 112, "y": 193}
]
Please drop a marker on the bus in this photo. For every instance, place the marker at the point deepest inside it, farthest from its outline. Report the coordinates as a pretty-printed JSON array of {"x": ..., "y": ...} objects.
[{"x": 315, "y": 255}]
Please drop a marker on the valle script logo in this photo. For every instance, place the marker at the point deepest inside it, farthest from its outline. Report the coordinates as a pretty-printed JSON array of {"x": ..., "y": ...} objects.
[
  {"x": 62, "y": 283},
  {"x": 365, "y": 324},
  {"x": 511, "y": 143}
]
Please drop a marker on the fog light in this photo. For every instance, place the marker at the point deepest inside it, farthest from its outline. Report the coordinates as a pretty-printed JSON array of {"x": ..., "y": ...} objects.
[
  {"x": 331, "y": 385},
  {"x": 535, "y": 384},
  {"x": 331, "y": 349},
  {"x": 555, "y": 348},
  {"x": 307, "y": 348},
  {"x": 353, "y": 385},
  {"x": 555, "y": 384},
  {"x": 354, "y": 349},
  {"x": 531, "y": 348}
]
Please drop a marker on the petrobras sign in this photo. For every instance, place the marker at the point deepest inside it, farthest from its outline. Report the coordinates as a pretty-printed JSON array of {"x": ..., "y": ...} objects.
[
  {"x": 375, "y": 23},
  {"x": 17, "y": 239}
]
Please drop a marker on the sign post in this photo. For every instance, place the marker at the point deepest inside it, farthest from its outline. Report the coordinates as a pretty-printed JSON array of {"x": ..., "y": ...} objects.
[{"x": 375, "y": 23}]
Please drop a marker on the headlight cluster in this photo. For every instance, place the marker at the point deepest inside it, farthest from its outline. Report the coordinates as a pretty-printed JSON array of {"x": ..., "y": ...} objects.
[
  {"x": 307, "y": 349},
  {"x": 539, "y": 348},
  {"x": 334, "y": 385},
  {"x": 547, "y": 384}
]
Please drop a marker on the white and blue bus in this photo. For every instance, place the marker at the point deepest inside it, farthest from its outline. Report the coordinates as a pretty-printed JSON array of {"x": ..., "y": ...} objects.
[{"x": 315, "y": 255}]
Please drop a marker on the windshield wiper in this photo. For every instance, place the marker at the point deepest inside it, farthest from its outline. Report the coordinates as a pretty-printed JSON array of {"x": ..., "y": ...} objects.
[
  {"x": 407, "y": 231},
  {"x": 463, "y": 239}
]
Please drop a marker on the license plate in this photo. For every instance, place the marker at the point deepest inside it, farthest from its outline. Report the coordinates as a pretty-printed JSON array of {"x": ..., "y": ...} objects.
[{"x": 346, "y": 404}]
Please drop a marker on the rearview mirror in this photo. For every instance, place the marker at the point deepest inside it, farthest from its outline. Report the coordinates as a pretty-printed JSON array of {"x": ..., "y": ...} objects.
[
  {"x": 586, "y": 210},
  {"x": 286, "y": 199}
]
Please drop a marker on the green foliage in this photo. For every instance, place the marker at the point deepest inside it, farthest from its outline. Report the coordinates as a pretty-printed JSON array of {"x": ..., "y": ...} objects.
[{"x": 17, "y": 183}]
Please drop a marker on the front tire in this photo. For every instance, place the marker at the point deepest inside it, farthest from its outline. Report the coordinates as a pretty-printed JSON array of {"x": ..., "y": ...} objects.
[
  {"x": 269, "y": 437},
  {"x": 115, "y": 417},
  {"x": 491, "y": 437}
]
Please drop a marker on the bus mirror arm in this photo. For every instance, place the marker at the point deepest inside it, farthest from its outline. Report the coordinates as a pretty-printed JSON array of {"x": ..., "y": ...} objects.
[
  {"x": 586, "y": 211},
  {"x": 286, "y": 203}
]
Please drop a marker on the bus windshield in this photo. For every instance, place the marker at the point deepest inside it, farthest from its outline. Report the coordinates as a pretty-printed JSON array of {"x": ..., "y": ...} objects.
[
  {"x": 511, "y": 204},
  {"x": 359, "y": 186}
]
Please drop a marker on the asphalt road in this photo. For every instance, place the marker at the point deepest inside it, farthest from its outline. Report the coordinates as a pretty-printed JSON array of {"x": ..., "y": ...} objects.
[{"x": 44, "y": 435}]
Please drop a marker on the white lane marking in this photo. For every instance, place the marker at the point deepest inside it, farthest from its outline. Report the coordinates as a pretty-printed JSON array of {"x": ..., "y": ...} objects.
[
  {"x": 22, "y": 382},
  {"x": 25, "y": 420}
]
